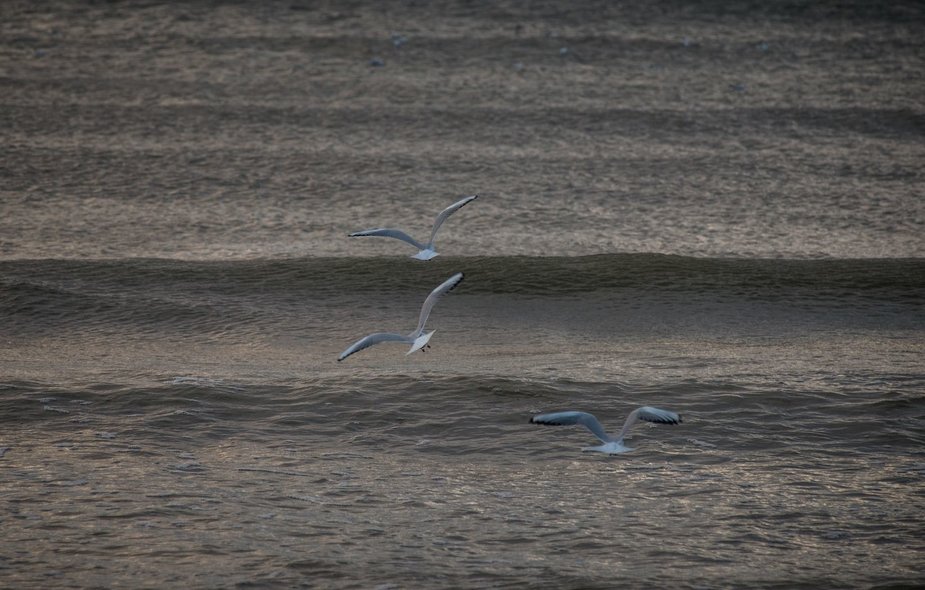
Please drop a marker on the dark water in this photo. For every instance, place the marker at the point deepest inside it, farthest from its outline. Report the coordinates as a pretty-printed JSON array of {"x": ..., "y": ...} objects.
[
  {"x": 188, "y": 422},
  {"x": 708, "y": 208}
]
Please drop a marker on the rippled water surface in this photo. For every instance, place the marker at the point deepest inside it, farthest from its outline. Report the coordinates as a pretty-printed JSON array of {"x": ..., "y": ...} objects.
[
  {"x": 188, "y": 423},
  {"x": 711, "y": 209},
  {"x": 355, "y": 482}
]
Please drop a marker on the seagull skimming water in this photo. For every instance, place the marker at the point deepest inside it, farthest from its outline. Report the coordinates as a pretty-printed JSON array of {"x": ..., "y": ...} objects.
[
  {"x": 418, "y": 338},
  {"x": 427, "y": 250},
  {"x": 612, "y": 445}
]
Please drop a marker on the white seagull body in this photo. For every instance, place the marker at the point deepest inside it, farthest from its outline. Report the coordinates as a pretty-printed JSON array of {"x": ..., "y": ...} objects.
[
  {"x": 418, "y": 338},
  {"x": 612, "y": 445},
  {"x": 427, "y": 251}
]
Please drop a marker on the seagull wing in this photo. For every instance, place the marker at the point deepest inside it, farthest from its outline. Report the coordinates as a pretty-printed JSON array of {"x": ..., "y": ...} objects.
[
  {"x": 565, "y": 418},
  {"x": 447, "y": 212},
  {"x": 368, "y": 341},
  {"x": 648, "y": 414},
  {"x": 389, "y": 233},
  {"x": 429, "y": 303}
]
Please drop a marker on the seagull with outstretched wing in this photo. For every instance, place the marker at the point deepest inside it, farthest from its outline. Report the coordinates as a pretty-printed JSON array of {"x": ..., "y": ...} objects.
[
  {"x": 427, "y": 251},
  {"x": 612, "y": 445},
  {"x": 418, "y": 338}
]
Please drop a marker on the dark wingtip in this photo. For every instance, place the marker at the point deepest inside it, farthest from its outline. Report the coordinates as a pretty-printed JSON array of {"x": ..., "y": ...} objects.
[
  {"x": 456, "y": 284},
  {"x": 531, "y": 421},
  {"x": 680, "y": 418},
  {"x": 545, "y": 422}
]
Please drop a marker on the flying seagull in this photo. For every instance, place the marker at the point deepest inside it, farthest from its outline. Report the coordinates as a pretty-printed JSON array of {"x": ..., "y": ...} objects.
[
  {"x": 612, "y": 445},
  {"x": 427, "y": 250},
  {"x": 418, "y": 338}
]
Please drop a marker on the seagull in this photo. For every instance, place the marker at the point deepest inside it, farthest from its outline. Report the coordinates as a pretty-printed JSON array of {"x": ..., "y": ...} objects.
[
  {"x": 611, "y": 445},
  {"x": 426, "y": 250},
  {"x": 418, "y": 338}
]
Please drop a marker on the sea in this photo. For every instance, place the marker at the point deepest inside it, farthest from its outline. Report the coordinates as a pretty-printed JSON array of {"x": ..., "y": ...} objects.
[{"x": 713, "y": 208}]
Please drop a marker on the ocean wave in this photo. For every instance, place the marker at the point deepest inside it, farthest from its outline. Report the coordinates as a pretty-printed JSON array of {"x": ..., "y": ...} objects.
[
  {"x": 234, "y": 299},
  {"x": 403, "y": 410},
  {"x": 522, "y": 275}
]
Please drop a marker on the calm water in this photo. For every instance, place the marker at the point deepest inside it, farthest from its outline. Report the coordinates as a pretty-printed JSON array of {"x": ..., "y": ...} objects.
[{"x": 719, "y": 213}]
